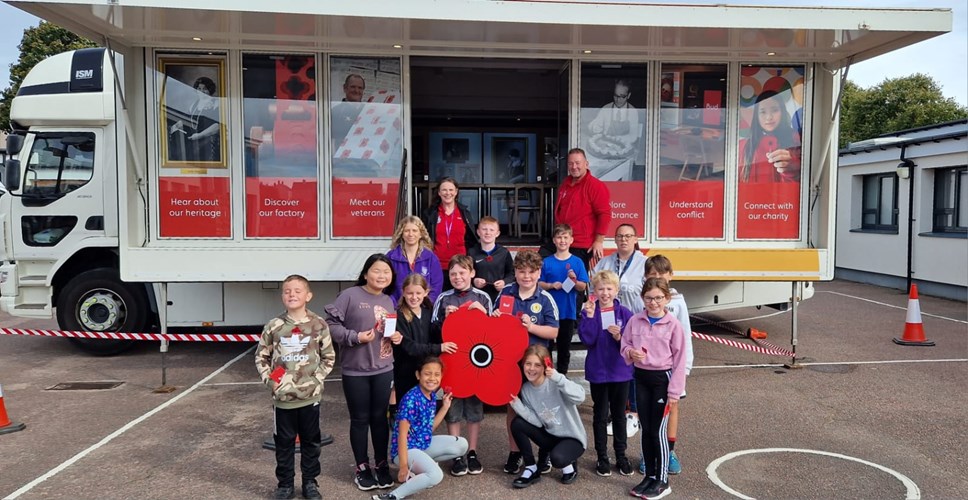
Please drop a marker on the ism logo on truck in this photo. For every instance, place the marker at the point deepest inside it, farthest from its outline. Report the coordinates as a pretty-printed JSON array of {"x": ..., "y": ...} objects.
[{"x": 84, "y": 74}]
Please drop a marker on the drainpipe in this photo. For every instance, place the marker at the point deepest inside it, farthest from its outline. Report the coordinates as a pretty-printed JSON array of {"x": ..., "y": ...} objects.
[{"x": 908, "y": 167}]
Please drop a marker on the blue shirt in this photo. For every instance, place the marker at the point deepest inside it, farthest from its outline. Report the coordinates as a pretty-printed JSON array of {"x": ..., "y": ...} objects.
[
  {"x": 554, "y": 271},
  {"x": 540, "y": 306},
  {"x": 419, "y": 410}
]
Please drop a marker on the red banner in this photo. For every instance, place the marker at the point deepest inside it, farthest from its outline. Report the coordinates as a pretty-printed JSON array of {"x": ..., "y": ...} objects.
[
  {"x": 628, "y": 205},
  {"x": 691, "y": 209},
  {"x": 283, "y": 207},
  {"x": 364, "y": 207},
  {"x": 768, "y": 211},
  {"x": 194, "y": 207}
]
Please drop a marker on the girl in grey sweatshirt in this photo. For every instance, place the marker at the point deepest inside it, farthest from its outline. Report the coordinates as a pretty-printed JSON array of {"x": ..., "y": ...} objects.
[{"x": 547, "y": 410}]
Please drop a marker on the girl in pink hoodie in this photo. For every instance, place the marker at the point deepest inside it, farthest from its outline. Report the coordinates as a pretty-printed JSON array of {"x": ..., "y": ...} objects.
[{"x": 654, "y": 342}]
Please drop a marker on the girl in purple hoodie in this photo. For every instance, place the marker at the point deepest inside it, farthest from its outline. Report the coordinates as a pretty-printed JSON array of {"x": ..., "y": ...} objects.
[
  {"x": 600, "y": 329},
  {"x": 654, "y": 342}
]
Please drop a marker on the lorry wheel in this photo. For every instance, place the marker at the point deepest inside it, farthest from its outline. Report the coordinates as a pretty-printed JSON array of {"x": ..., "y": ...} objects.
[{"x": 98, "y": 301}]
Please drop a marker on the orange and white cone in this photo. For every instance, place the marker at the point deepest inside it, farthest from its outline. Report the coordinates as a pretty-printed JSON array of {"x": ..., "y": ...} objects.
[
  {"x": 913, "y": 327},
  {"x": 6, "y": 426}
]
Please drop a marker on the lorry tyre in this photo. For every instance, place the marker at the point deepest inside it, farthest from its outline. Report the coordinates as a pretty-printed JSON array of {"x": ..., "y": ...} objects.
[{"x": 98, "y": 301}]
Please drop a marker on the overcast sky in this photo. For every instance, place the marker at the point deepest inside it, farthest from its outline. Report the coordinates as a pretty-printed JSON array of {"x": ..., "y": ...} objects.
[{"x": 945, "y": 58}]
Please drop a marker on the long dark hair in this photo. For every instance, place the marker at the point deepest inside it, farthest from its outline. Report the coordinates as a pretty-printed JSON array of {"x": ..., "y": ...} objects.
[
  {"x": 785, "y": 136},
  {"x": 373, "y": 259}
]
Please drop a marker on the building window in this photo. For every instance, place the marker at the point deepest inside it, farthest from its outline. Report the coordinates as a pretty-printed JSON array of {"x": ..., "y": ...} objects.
[
  {"x": 880, "y": 202},
  {"x": 950, "y": 204}
]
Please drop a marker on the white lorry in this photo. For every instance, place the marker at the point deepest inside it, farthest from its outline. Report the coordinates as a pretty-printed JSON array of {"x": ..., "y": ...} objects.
[{"x": 215, "y": 147}]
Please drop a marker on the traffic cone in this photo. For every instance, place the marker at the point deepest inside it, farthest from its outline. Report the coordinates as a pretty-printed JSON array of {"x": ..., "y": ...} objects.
[
  {"x": 913, "y": 328},
  {"x": 6, "y": 426},
  {"x": 755, "y": 334}
]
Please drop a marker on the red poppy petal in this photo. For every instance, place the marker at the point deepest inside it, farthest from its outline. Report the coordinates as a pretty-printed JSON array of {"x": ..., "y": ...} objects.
[{"x": 498, "y": 344}]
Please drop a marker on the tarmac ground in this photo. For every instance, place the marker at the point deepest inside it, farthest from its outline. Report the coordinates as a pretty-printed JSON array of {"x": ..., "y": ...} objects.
[{"x": 860, "y": 417}]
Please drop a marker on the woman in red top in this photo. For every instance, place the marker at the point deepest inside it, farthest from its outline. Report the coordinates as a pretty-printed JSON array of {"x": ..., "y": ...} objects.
[
  {"x": 772, "y": 152},
  {"x": 449, "y": 224}
]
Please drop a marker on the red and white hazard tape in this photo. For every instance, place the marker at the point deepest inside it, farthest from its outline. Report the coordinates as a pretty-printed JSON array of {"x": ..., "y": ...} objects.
[
  {"x": 774, "y": 351},
  {"x": 193, "y": 337}
]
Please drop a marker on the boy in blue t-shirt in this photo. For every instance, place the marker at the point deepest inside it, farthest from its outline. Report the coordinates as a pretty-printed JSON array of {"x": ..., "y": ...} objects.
[{"x": 564, "y": 275}]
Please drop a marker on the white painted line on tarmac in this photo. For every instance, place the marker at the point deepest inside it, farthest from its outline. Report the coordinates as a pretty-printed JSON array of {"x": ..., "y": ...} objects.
[
  {"x": 824, "y": 363},
  {"x": 107, "y": 439},
  {"x": 893, "y": 306},
  {"x": 912, "y": 493}
]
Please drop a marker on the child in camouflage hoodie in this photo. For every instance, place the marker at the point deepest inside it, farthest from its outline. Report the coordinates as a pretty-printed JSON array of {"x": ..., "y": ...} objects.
[{"x": 294, "y": 355}]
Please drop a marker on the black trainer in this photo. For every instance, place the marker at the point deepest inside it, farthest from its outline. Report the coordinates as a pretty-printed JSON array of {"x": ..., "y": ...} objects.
[
  {"x": 513, "y": 465},
  {"x": 364, "y": 478},
  {"x": 603, "y": 467},
  {"x": 384, "y": 496},
  {"x": 311, "y": 491},
  {"x": 624, "y": 466},
  {"x": 284, "y": 493},
  {"x": 474, "y": 465},
  {"x": 544, "y": 464},
  {"x": 657, "y": 490},
  {"x": 383, "y": 477},
  {"x": 459, "y": 467},
  {"x": 640, "y": 489}
]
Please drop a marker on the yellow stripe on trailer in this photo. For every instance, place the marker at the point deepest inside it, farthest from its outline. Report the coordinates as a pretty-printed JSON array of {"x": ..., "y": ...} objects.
[{"x": 745, "y": 264}]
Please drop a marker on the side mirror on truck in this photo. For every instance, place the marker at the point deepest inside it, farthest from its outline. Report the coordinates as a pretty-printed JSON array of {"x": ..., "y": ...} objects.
[{"x": 11, "y": 173}]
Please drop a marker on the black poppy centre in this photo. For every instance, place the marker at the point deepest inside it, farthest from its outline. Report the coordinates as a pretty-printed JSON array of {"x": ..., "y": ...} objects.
[{"x": 482, "y": 356}]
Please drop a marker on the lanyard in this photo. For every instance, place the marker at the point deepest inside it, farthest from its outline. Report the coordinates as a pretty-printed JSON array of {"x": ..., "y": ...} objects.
[
  {"x": 626, "y": 268},
  {"x": 449, "y": 224}
]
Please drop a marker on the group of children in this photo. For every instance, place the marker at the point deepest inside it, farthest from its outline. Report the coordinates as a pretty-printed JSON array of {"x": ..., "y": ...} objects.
[{"x": 387, "y": 349}]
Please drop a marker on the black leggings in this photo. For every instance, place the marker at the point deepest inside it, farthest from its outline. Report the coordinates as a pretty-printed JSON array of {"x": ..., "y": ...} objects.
[
  {"x": 563, "y": 451},
  {"x": 609, "y": 398},
  {"x": 367, "y": 398},
  {"x": 651, "y": 390},
  {"x": 566, "y": 330}
]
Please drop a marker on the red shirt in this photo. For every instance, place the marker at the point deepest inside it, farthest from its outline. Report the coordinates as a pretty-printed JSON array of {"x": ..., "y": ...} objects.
[
  {"x": 449, "y": 237},
  {"x": 585, "y": 206},
  {"x": 764, "y": 171}
]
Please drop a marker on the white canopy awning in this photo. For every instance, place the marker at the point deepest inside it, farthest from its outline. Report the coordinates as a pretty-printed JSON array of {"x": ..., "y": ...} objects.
[{"x": 541, "y": 29}]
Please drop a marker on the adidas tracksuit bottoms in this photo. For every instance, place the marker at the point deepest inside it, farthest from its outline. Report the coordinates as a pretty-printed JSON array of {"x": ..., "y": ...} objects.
[{"x": 651, "y": 391}]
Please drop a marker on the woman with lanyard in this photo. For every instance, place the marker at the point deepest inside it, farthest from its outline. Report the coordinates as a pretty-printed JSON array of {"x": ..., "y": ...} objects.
[
  {"x": 629, "y": 264},
  {"x": 449, "y": 224}
]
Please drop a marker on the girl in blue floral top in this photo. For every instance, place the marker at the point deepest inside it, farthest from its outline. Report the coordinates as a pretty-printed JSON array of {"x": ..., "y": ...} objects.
[{"x": 418, "y": 454}]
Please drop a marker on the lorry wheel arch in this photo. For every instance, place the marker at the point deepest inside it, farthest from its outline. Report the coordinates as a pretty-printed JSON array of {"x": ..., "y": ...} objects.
[{"x": 97, "y": 300}]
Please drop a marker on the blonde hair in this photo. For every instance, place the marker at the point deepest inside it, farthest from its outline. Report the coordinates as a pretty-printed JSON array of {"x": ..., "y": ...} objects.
[
  {"x": 297, "y": 277},
  {"x": 422, "y": 243},
  {"x": 606, "y": 276}
]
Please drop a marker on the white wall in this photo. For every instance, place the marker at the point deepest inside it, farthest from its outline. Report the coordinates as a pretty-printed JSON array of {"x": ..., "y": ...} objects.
[{"x": 937, "y": 259}]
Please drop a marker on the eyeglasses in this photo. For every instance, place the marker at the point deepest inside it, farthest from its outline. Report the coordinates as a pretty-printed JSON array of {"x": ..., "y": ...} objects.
[
  {"x": 624, "y": 236},
  {"x": 621, "y": 96},
  {"x": 648, "y": 299}
]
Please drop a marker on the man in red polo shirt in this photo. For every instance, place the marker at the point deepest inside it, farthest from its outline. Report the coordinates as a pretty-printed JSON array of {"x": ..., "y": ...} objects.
[{"x": 584, "y": 204}]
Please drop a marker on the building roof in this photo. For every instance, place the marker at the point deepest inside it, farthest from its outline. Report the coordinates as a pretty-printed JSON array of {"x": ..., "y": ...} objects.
[{"x": 953, "y": 130}]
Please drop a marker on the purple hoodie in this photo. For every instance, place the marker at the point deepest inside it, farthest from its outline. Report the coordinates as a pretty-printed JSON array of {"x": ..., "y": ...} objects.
[
  {"x": 426, "y": 265},
  {"x": 603, "y": 361}
]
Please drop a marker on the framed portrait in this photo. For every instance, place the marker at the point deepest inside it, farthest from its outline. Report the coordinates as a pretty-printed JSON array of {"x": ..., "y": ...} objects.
[
  {"x": 192, "y": 110},
  {"x": 455, "y": 155},
  {"x": 510, "y": 158}
]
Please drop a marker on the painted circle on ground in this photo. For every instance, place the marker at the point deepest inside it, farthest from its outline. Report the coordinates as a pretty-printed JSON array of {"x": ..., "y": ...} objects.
[{"x": 913, "y": 492}]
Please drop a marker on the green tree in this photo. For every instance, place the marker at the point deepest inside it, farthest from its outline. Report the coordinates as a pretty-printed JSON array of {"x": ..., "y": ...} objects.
[
  {"x": 894, "y": 104},
  {"x": 37, "y": 44}
]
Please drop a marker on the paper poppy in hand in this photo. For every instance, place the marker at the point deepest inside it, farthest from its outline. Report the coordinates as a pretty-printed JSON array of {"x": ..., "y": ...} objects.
[{"x": 486, "y": 362}]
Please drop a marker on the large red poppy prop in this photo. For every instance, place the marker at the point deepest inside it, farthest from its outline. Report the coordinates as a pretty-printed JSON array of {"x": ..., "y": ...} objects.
[{"x": 486, "y": 362}]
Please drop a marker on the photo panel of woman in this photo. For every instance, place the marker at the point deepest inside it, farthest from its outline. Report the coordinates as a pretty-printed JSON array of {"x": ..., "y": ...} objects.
[
  {"x": 769, "y": 152},
  {"x": 192, "y": 114},
  {"x": 612, "y": 131}
]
